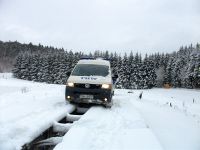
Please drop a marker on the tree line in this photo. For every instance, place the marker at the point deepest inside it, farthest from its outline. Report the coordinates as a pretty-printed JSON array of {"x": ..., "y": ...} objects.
[
  {"x": 177, "y": 69},
  {"x": 10, "y": 50},
  {"x": 48, "y": 64}
]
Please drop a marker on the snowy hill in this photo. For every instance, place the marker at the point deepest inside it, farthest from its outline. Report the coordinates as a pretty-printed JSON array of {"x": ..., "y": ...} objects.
[{"x": 163, "y": 119}]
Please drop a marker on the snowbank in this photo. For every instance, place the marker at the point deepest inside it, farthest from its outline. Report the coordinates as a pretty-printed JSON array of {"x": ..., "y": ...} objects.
[{"x": 27, "y": 109}]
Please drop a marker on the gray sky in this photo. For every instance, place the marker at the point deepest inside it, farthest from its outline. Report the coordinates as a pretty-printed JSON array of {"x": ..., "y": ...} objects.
[{"x": 146, "y": 26}]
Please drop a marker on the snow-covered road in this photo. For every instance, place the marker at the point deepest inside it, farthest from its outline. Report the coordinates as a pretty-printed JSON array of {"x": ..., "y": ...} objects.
[{"x": 163, "y": 119}]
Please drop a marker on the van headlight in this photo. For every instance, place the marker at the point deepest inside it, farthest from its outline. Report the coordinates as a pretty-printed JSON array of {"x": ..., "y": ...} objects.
[
  {"x": 105, "y": 86},
  {"x": 70, "y": 84}
]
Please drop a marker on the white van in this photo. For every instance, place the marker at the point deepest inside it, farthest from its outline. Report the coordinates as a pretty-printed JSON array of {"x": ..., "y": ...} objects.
[{"x": 91, "y": 81}]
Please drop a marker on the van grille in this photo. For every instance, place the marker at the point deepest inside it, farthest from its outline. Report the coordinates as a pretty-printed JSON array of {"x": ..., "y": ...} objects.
[{"x": 91, "y": 86}]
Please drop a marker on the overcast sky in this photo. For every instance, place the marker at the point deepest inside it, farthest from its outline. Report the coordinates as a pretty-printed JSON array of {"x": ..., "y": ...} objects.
[{"x": 146, "y": 26}]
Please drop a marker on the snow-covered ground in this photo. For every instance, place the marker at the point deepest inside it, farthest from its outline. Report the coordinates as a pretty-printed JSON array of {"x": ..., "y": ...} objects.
[
  {"x": 163, "y": 119},
  {"x": 27, "y": 109},
  {"x": 118, "y": 128},
  {"x": 133, "y": 123},
  {"x": 177, "y": 126}
]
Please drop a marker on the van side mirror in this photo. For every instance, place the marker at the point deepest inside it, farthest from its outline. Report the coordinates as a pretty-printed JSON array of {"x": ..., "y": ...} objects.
[{"x": 114, "y": 78}]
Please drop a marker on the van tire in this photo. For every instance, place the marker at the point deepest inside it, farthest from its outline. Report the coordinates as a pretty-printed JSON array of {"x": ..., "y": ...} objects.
[
  {"x": 113, "y": 93},
  {"x": 108, "y": 105}
]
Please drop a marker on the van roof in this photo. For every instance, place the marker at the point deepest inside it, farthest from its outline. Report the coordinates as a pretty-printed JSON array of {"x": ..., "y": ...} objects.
[{"x": 94, "y": 61}]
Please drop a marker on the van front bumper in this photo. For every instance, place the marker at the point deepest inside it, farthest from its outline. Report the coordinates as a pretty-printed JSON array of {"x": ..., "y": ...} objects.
[{"x": 99, "y": 96}]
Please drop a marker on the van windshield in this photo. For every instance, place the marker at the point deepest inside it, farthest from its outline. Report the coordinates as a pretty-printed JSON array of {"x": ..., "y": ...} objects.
[{"x": 90, "y": 70}]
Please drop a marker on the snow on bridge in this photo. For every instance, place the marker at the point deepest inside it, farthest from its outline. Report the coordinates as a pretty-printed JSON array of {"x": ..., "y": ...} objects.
[{"x": 118, "y": 128}]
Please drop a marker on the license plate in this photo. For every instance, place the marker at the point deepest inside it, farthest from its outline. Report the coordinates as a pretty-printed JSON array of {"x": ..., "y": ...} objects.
[{"x": 87, "y": 96}]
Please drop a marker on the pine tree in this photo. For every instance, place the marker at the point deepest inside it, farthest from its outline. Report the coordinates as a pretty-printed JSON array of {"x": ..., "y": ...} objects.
[
  {"x": 17, "y": 69},
  {"x": 24, "y": 69},
  {"x": 125, "y": 72},
  {"x": 33, "y": 67},
  {"x": 119, "y": 84}
]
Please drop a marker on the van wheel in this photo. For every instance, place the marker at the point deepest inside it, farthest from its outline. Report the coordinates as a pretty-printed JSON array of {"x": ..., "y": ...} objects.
[{"x": 109, "y": 105}]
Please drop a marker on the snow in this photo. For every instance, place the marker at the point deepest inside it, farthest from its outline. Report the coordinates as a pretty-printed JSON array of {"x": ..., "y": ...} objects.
[
  {"x": 96, "y": 61},
  {"x": 133, "y": 123},
  {"x": 120, "y": 127},
  {"x": 162, "y": 119},
  {"x": 174, "y": 129},
  {"x": 60, "y": 127},
  {"x": 183, "y": 100},
  {"x": 27, "y": 109},
  {"x": 50, "y": 141},
  {"x": 176, "y": 126}
]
